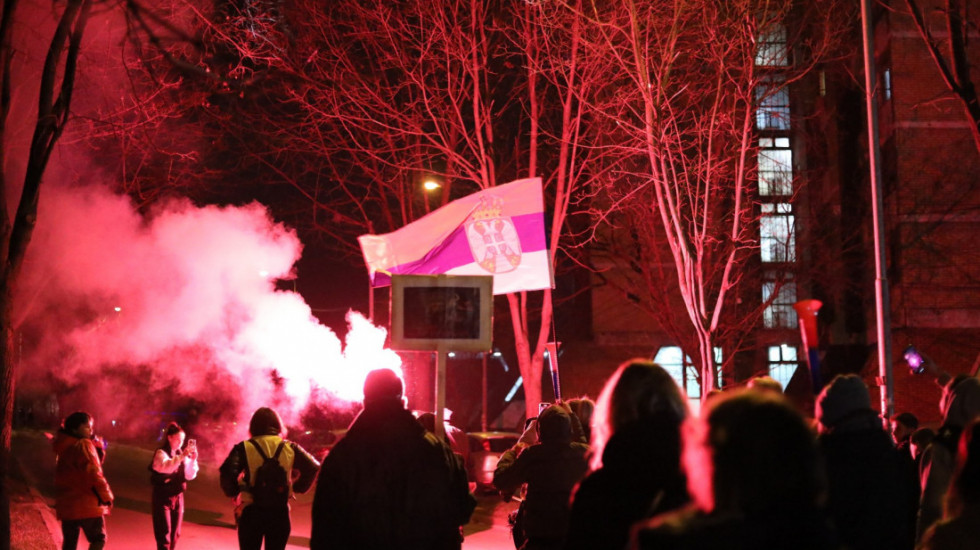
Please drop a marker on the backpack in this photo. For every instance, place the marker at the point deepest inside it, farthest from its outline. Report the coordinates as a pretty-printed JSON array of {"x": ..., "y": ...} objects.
[{"x": 271, "y": 484}]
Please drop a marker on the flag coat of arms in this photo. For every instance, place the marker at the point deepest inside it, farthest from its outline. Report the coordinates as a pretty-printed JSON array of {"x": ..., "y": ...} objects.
[{"x": 497, "y": 231}]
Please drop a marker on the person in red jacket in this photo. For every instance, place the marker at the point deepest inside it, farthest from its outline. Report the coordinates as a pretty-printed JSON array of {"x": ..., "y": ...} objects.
[{"x": 83, "y": 497}]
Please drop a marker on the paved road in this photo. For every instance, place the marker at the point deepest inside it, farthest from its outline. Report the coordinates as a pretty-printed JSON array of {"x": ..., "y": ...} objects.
[{"x": 208, "y": 520}]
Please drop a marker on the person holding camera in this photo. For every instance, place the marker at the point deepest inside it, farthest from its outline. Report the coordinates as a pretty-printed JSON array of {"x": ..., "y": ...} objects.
[
  {"x": 83, "y": 497},
  {"x": 172, "y": 467}
]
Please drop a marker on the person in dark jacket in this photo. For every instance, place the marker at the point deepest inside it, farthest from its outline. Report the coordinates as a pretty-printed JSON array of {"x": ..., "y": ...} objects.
[
  {"x": 170, "y": 470},
  {"x": 636, "y": 456},
  {"x": 754, "y": 472},
  {"x": 82, "y": 494},
  {"x": 873, "y": 490},
  {"x": 550, "y": 468},
  {"x": 260, "y": 520},
  {"x": 903, "y": 425},
  {"x": 960, "y": 527},
  {"x": 390, "y": 484},
  {"x": 959, "y": 404}
]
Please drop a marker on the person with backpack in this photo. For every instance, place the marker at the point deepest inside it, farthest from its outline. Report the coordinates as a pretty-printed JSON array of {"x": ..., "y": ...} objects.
[
  {"x": 170, "y": 470},
  {"x": 261, "y": 474},
  {"x": 390, "y": 484}
]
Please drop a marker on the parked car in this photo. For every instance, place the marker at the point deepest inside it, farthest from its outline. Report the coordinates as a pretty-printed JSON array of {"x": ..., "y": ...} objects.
[{"x": 485, "y": 450}]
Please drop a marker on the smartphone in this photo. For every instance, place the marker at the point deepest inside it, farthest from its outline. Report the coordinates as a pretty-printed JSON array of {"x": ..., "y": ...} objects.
[
  {"x": 191, "y": 443},
  {"x": 542, "y": 407},
  {"x": 914, "y": 360}
]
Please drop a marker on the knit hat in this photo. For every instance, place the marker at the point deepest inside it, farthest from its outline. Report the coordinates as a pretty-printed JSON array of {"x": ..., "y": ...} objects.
[
  {"x": 846, "y": 394},
  {"x": 382, "y": 384}
]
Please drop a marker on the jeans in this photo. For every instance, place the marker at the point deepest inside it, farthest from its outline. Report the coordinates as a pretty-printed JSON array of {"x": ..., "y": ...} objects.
[
  {"x": 168, "y": 515},
  {"x": 270, "y": 523},
  {"x": 94, "y": 529}
]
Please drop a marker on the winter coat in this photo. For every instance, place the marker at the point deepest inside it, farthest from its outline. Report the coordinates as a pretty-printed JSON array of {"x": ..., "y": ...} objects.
[
  {"x": 239, "y": 468},
  {"x": 551, "y": 469},
  {"x": 640, "y": 477},
  {"x": 958, "y": 533},
  {"x": 961, "y": 403},
  {"x": 872, "y": 486},
  {"x": 780, "y": 529},
  {"x": 390, "y": 485},
  {"x": 81, "y": 489}
]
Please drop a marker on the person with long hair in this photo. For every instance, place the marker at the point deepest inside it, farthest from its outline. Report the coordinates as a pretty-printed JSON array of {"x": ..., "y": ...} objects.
[
  {"x": 754, "y": 473},
  {"x": 636, "y": 457},
  {"x": 172, "y": 467}
]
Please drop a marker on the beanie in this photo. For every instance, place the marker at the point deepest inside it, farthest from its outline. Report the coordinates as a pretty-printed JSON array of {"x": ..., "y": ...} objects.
[{"x": 844, "y": 395}]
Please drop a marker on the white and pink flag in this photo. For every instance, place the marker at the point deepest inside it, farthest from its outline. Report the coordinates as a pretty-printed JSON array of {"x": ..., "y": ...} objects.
[{"x": 498, "y": 231}]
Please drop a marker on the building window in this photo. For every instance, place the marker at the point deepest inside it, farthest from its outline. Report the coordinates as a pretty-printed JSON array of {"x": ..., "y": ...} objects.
[
  {"x": 685, "y": 372},
  {"x": 775, "y": 167},
  {"x": 772, "y": 50},
  {"x": 779, "y": 313},
  {"x": 772, "y": 100},
  {"x": 887, "y": 81},
  {"x": 782, "y": 363},
  {"x": 777, "y": 235}
]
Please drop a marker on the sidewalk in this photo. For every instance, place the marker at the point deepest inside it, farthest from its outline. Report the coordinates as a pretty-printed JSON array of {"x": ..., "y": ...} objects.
[{"x": 33, "y": 525}]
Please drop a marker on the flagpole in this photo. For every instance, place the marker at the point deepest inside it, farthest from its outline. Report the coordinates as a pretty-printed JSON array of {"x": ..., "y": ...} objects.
[{"x": 883, "y": 307}]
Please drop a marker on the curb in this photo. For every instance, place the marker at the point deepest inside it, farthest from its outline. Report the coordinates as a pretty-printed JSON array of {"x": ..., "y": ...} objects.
[{"x": 39, "y": 503}]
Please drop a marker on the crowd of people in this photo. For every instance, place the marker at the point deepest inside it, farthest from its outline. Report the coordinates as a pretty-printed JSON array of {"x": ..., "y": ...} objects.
[{"x": 632, "y": 470}]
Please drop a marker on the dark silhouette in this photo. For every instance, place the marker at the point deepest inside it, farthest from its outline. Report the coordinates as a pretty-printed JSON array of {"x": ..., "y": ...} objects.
[
  {"x": 754, "y": 471},
  {"x": 903, "y": 424},
  {"x": 390, "y": 484},
  {"x": 873, "y": 488},
  {"x": 919, "y": 441},
  {"x": 171, "y": 468},
  {"x": 637, "y": 454},
  {"x": 260, "y": 518},
  {"x": 550, "y": 468},
  {"x": 960, "y": 403},
  {"x": 83, "y": 497},
  {"x": 960, "y": 527}
]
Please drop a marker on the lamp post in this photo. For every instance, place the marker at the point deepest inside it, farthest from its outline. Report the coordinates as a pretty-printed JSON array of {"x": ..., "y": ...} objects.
[{"x": 428, "y": 186}]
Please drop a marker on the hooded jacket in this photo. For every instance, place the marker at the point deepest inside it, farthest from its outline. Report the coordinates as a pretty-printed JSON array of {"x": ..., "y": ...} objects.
[
  {"x": 960, "y": 403},
  {"x": 390, "y": 485},
  {"x": 81, "y": 489}
]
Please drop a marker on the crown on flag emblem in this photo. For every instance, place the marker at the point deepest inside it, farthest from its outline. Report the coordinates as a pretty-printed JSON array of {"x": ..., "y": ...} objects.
[{"x": 493, "y": 239}]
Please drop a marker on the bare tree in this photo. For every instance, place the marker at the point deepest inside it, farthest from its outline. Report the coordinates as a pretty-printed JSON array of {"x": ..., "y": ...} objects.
[
  {"x": 354, "y": 104},
  {"x": 945, "y": 31},
  {"x": 55, "y": 87},
  {"x": 685, "y": 185}
]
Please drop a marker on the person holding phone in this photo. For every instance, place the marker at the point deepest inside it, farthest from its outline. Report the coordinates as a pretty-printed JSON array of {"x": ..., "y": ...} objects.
[{"x": 172, "y": 467}]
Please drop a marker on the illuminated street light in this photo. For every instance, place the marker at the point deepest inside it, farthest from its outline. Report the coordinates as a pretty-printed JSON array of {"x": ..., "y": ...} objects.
[{"x": 430, "y": 185}]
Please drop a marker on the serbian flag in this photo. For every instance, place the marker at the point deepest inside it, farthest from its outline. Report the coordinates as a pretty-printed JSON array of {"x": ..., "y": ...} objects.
[{"x": 497, "y": 231}]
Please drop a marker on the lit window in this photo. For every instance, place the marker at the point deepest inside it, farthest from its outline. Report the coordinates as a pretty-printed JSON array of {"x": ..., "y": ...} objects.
[
  {"x": 775, "y": 167},
  {"x": 887, "y": 80},
  {"x": 772, "y": 100},
  {"x": 684, "y": 372},
  {"x": 782, "y": 363},
  {"x": 777, "y": 235},
  {"x": 779, "y": 313},
  {"x": 772, "y": 50}
]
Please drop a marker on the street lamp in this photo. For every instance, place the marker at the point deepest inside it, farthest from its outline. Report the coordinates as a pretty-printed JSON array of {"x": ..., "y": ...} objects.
[{"x": 429, "y": 185}]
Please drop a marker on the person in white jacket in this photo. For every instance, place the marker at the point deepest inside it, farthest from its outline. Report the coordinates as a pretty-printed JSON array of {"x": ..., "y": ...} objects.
[{"x": 172, "y": 467}]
